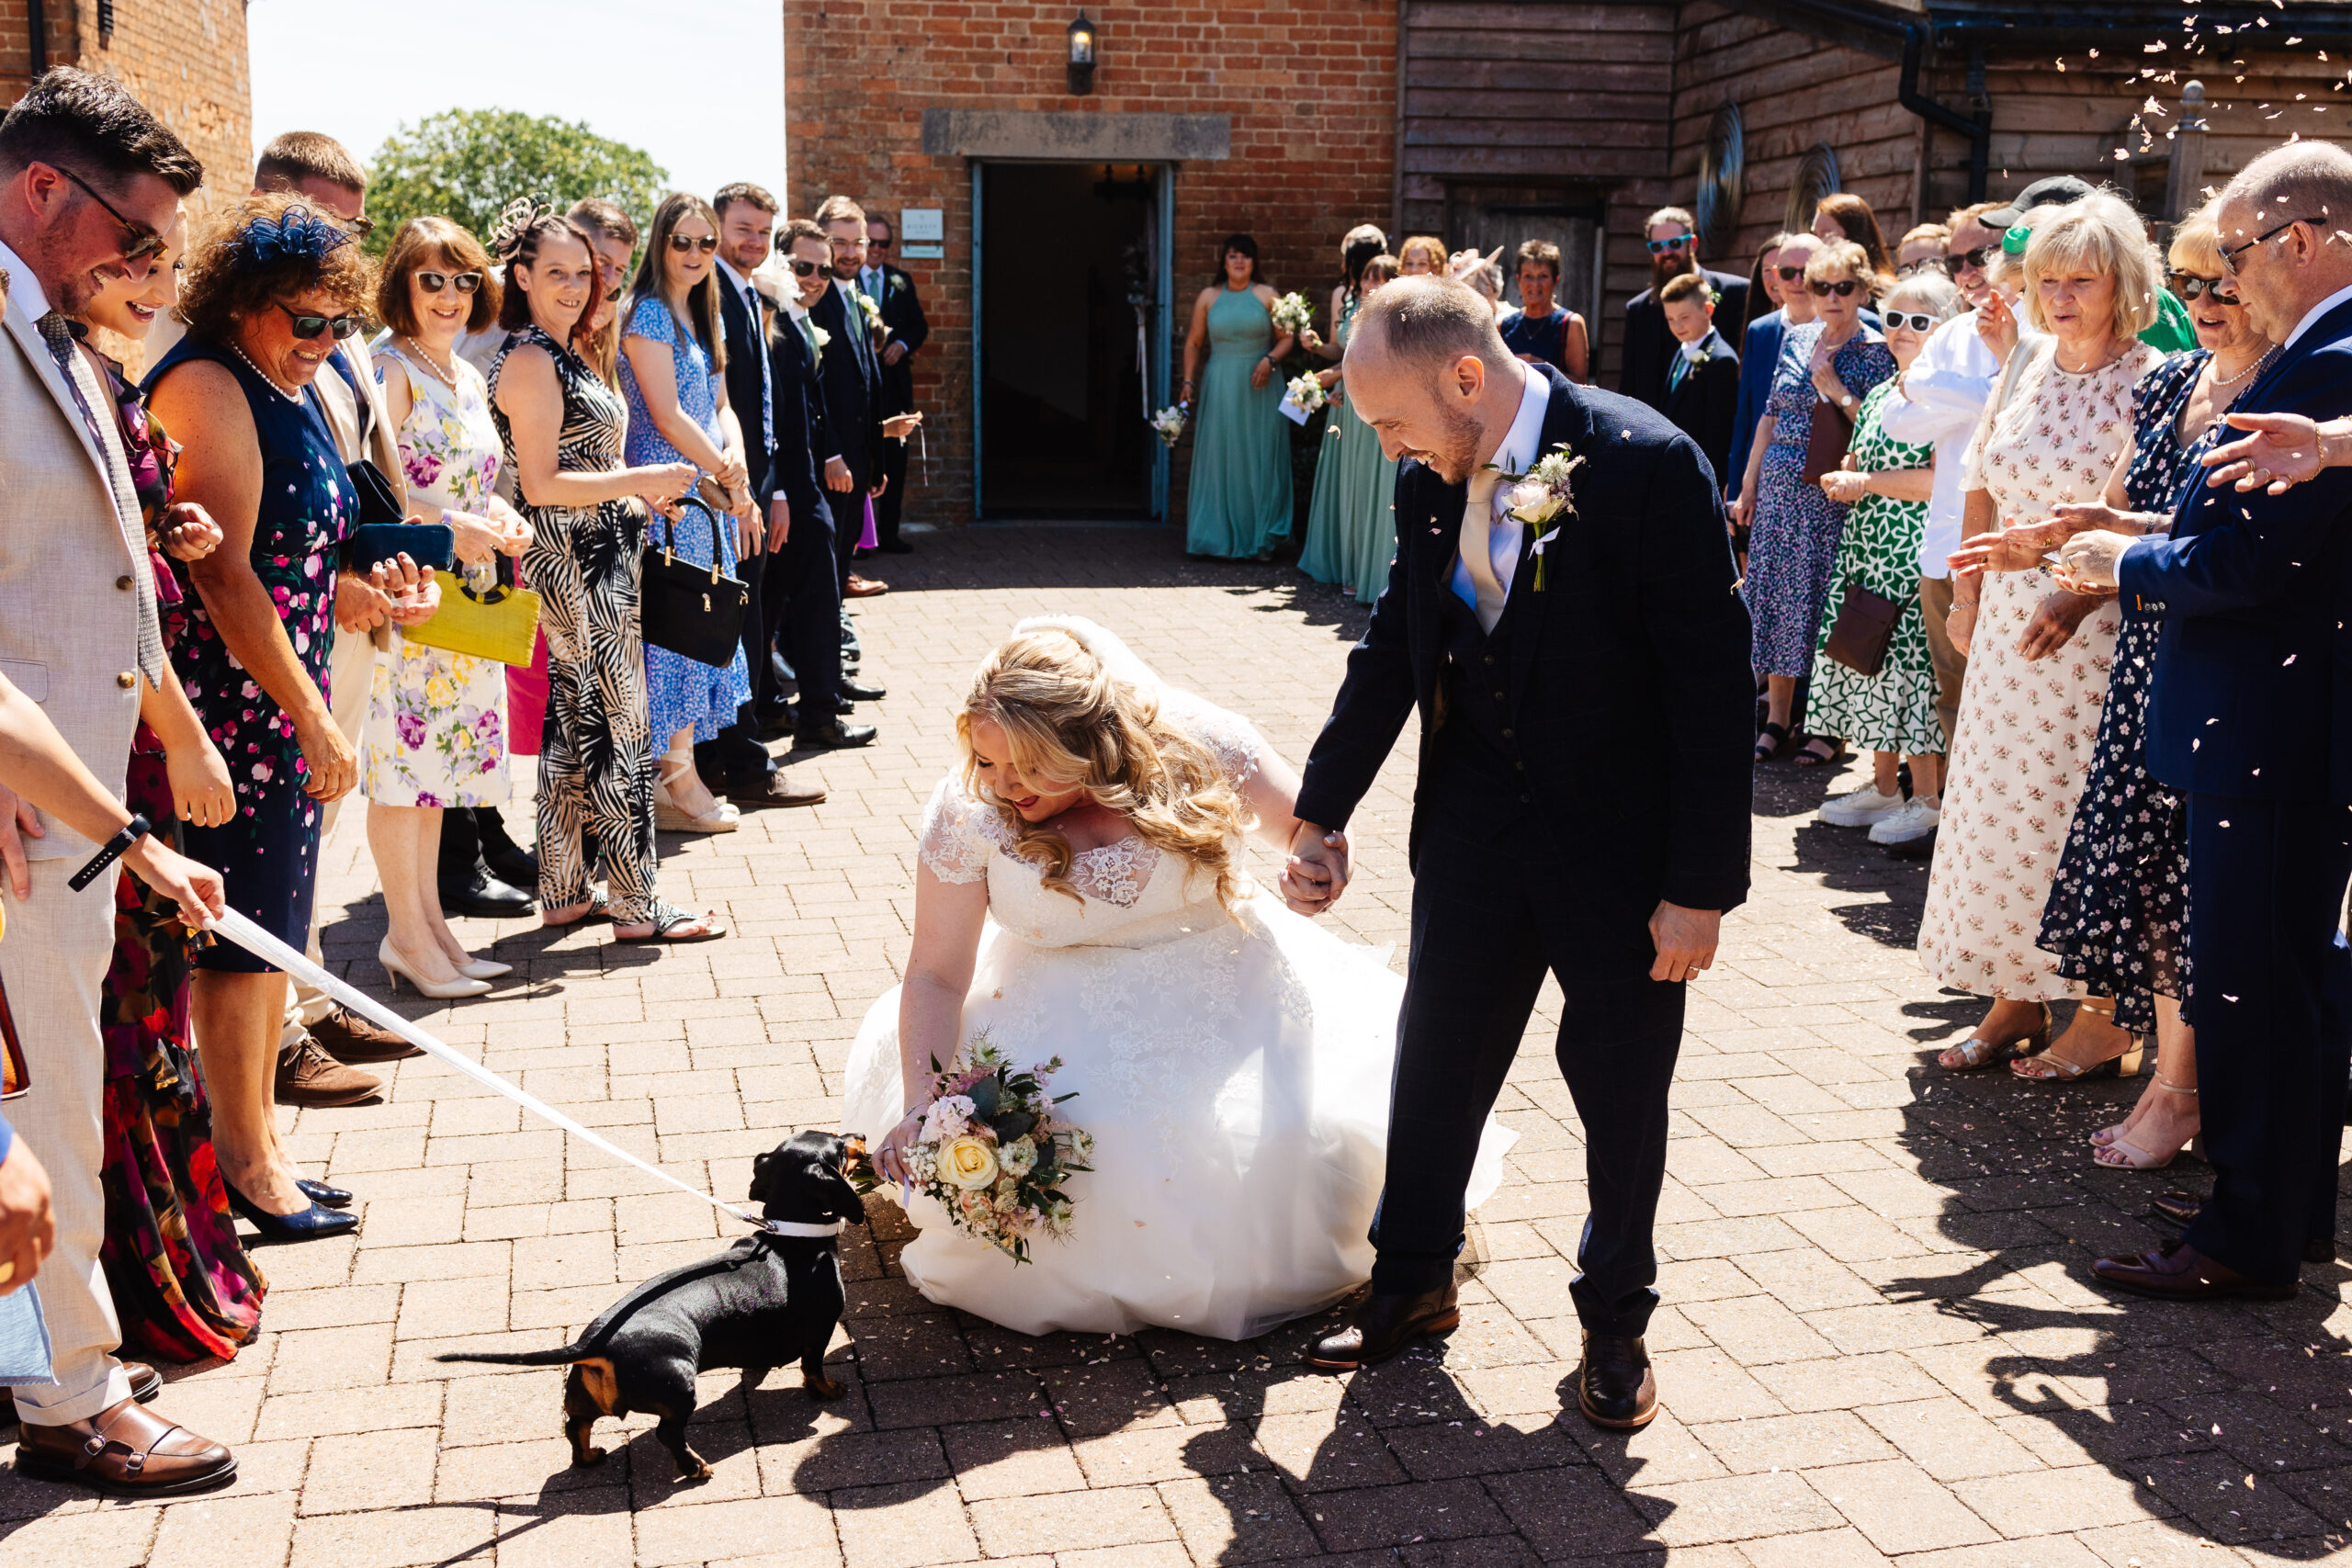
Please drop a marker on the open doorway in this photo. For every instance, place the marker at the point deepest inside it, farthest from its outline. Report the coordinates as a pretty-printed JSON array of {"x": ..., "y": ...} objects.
[{"x": 1067, "y": 276}]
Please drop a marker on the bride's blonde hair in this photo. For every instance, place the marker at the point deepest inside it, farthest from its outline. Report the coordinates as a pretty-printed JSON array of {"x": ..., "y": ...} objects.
[{"x": 1067, "y": 718}]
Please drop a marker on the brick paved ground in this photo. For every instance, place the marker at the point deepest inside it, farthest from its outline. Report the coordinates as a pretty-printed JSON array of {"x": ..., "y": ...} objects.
[{"x": 1876, "y": 1342}]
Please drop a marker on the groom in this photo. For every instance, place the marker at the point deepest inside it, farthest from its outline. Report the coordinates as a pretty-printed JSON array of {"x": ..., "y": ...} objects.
[{"x": 1582, "y": 805}]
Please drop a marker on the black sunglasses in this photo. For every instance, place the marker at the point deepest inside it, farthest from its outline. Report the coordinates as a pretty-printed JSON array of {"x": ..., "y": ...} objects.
[
  {"x": 1917, "y": 323},
  {"x": 2228, "y": 256},
  {"x": 1791, "y": 274},
  {"x": 146, "y": 245},
  {"x": 2189, "y": 285},
  {"x": 706, "y": 244},
  {"x": 309, "y": 327},
  {"x": 1841, "y": 289},
  {"x": 1675, "y": 243},
  {"x": 801, "y": 268},
  {"x": 877, "y": 245},
  {"x": 1925, "y": 264},
  {"x": 1969, "y": 261},
  {"x": 434, "y": 282}
]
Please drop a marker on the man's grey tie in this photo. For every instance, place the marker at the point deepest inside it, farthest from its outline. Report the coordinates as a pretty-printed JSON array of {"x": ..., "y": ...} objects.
[
  {"x": 83, "y": 382},
  {"x": 1477, "y": 547}
]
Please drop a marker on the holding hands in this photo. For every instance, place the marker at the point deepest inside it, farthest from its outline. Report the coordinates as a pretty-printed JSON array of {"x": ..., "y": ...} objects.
[
  {"x": 1316, "y": 872},
  {"x": 1843, "y": 484}
]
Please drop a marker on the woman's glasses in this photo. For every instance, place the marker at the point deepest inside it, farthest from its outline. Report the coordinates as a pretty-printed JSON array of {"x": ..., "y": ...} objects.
[
  {"x": 434, "y": 282},
  {"x": 1844, "y": 287},
  {"x": 2188, "y": 286},
  {"x": 1917, "y": 323},
  {"x": 681, "y": 244},
  {"x": 1671, "y": 242},
  {"x": 309, "y": 327},
  {"x": 1925, "y": 264}
]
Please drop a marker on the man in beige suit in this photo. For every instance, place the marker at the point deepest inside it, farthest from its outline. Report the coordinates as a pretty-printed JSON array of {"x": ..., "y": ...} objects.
[{"x": 88, "y": 181}]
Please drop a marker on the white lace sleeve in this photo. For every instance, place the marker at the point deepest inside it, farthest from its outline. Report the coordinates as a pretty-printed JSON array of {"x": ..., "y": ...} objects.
[
  {"x": 957, "y": 843},
  {"x": 1233, "y": 737}
]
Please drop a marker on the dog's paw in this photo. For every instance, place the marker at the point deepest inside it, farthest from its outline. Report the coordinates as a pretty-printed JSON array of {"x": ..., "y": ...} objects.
[
  {"x": 587, "y": 1457},
  {"x": 698, "y": 1471},
  {"x": 824, "y": 1387}
]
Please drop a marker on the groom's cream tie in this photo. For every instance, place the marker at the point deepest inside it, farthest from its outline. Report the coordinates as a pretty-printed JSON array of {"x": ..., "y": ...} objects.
[{"x": 1477, "y": 547}]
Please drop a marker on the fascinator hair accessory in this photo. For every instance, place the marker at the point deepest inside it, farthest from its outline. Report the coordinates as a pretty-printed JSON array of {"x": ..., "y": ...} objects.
[
  {"x": 2016, "y": 239},
  {"x": 516, "y": 220},
  {"x": 297, "y": 234}
]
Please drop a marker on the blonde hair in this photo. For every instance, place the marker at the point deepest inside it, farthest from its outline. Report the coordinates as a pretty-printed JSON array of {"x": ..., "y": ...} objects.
[
  {"x": 1847, "y": 259},
  {"x": 1065, "y": 716},
  {"x": 2098, "y": 233},
  {"x": 2196, "y": 242}
]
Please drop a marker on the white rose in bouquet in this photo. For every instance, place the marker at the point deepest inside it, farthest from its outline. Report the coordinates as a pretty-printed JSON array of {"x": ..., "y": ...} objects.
[{"x": 969, "y": 1162}]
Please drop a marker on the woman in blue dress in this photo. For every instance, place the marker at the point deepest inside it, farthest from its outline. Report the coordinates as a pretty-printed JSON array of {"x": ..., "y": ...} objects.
[
  {"x": 1240, "y": 499},
  {"x": 674, "y": 372}
]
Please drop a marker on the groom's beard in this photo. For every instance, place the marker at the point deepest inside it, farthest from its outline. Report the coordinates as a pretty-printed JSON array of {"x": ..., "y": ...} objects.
[{"x": 1457, "y": 454}]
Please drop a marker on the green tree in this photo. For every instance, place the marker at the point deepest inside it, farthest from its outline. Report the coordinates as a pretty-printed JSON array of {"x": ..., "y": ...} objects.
[{"x": 466, "y": 164}]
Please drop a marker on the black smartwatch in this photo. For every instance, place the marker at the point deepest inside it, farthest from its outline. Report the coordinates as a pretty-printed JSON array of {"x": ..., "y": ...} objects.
[{"x": 113, "y": 849}]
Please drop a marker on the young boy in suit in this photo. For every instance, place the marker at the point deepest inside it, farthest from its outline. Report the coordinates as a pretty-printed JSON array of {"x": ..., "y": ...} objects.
[{"x": 1702, "y": 384}]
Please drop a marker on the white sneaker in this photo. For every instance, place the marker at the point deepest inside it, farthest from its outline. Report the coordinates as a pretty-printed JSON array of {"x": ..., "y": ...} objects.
[
  {"x": 1863, "y": 809},
  {"x": 1915, "y": 821}
]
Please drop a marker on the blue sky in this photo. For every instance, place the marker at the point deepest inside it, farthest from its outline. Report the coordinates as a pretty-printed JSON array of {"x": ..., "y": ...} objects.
[{"x": 697, "y": 84}]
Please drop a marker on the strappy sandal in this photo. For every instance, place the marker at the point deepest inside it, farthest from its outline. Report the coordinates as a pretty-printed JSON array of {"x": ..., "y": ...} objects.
[
  {"x": 2048, "y": 1067},
  {"x": 1806, "y": 759},
  {"x": 1977, "y": 1051},
  {"x": 671, "y": 817},
  {"x": 2122, "y": 1153},
  {"x": 667, "y": 917},
  {"x": 1780, "y": 734}
]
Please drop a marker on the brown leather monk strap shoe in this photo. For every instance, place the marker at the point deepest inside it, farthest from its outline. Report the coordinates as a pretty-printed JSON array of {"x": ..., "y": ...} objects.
[
  {"x": 1382, "y": 1325},
  {"x": 1615, "y": 1387},
  {"x": 308, "y": 1075},
  {"x": 126, "y": 1450},
  {"x": 347, "y": 1037},
  {"x": 2179, "y": 1272}
]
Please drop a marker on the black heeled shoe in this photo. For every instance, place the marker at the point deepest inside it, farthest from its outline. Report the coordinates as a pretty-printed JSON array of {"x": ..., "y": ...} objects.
[
  {"x": 319, "y": 1193},
  {"x": 310, "y": 1224}
]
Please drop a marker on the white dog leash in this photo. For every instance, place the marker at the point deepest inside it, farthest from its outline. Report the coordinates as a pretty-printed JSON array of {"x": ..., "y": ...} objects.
[{"x": 264, "y": 947}]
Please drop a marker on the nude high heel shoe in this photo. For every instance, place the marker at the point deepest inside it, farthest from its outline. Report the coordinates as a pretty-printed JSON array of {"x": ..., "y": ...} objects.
[
  {"x": 484, "y": 969},
  {"x": 396, "y": 969},
  {"x": 671, "y": 817}
]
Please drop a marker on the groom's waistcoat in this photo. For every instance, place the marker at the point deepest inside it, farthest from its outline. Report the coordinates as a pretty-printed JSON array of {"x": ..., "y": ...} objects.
[{"x": 1474, "y": 755}]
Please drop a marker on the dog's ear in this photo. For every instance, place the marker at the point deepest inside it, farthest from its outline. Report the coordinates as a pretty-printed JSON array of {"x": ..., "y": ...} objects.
[
  {"x": 853, "y": 1176},
  {"x": 760, "y": 1163}
]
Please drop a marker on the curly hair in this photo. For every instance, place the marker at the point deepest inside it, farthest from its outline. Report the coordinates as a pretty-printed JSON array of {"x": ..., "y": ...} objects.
[
  {"x": 1066, "y": 717},
  {"x": 231, "y": 275}
]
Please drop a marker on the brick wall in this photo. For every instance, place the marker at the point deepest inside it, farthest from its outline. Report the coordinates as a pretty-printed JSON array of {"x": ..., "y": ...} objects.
[{"x": 1309, "y": 86}]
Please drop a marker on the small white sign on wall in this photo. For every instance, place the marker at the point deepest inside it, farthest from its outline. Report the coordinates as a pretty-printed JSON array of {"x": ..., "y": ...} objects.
[{"x": 921, "y": 231}]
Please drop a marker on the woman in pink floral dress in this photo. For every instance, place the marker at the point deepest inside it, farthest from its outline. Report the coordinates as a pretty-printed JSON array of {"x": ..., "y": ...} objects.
[{"x": 2039, "y": 657}]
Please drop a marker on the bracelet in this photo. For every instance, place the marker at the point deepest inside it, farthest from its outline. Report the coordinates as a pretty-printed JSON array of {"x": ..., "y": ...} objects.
[
  {"x": 113, "y": 849},
  {"x": 1963, "y": 603}
]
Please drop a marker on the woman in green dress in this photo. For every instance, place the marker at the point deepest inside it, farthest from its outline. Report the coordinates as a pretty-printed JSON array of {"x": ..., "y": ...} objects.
[
  {"x": 1892, "y": 713},
  {"x": 1351, "y": 530},
  {"x": 1240, "y": 484}
]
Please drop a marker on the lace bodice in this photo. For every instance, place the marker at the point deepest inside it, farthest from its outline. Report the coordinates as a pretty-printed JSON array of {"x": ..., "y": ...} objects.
[{"x": 1125, "y": 899}]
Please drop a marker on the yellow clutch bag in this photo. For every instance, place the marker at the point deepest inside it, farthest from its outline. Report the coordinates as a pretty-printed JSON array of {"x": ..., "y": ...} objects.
[{"x": 492, "y": 623}]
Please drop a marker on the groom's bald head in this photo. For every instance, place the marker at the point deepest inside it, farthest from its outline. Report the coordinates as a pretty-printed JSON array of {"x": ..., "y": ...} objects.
[{"x": 1428, "y": 370}]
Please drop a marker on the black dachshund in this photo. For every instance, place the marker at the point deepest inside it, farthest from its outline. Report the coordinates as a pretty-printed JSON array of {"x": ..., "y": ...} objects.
[{"x": 762, "y": 1301}]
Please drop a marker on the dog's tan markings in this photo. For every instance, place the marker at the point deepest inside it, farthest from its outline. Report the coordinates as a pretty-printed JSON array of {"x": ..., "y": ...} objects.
[{"x": 602, "y": 1383}]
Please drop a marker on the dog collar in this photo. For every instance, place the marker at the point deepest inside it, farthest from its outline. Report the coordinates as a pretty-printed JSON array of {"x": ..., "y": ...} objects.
[{"x": 800, "y": 1228}]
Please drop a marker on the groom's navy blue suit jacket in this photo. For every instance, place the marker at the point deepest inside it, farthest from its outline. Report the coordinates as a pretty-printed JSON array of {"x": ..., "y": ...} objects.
[
  {"x": 1630, "y": 691},
  {"x": 2252, "y": 694}
]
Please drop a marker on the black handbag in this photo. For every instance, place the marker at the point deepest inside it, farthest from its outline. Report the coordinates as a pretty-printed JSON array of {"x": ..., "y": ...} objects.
[
  {"x": 382, "y": 531},
  {"x": 696, "y": 611}
]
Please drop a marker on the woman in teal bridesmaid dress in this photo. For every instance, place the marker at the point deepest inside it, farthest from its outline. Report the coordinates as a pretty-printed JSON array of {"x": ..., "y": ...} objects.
[
  {"x": 1240, "y": 484},
  {"x": 1351, "y": 531}
]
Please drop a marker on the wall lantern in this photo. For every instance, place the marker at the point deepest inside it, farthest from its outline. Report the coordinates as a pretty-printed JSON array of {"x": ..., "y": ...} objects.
[{"x": 1081, "y": 56}]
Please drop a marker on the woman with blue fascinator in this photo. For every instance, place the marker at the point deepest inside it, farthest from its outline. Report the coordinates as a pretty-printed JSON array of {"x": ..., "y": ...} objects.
[{"x": 270, "y": 288}]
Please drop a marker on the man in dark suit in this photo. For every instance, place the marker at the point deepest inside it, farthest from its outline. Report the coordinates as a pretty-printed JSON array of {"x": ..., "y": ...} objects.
[
  {"x": 2250, "y": 717},
  {"x": 1648, "y": 354},
  {"x": 906, "y": 331},
  {"x": 854, "y": 414},
  {"x": 805, "y": 597},
  {"x": 1520, "y": 636},
  {"x": 1703, "y": 382}
]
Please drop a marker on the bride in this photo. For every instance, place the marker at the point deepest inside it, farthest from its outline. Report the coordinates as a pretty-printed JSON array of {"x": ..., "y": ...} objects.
[{"x": 1080, "y": 894}]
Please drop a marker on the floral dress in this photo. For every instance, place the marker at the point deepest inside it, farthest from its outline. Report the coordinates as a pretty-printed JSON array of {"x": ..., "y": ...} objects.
[
  {"x": 1793, "y": 547},
  {"x": 2118, "y": 918},
  {"x": 1894, "y": 710},
  {"x": 267, "y": 853},
  {"x": 2027, "y": 730},
  {"x": 435, "y": 732},
  {"x": 684, "y": 691}
]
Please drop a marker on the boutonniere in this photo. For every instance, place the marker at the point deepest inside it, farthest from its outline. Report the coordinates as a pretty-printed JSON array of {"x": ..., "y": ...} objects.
[
  {"x": 1701, "y": 357},
  {"x": 821, "y": 335},
  {"x": 873, "y": 311},
  {"x": 1541, "y": 494}
]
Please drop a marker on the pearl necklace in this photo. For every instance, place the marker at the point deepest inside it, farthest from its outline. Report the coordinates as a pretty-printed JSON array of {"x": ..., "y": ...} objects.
[
  {"x": 2220, "y": 380},
  {"x": 446, "y": 377},
  {"x": 268, "y": 379}
]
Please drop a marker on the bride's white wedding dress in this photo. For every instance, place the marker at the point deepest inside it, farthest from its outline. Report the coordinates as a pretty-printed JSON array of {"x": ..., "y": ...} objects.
[{"x": 1233, "y": 1069}]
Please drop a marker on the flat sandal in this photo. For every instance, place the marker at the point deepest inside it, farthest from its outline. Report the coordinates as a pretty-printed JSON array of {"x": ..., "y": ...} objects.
[{"x": 1975, "y": 1052}]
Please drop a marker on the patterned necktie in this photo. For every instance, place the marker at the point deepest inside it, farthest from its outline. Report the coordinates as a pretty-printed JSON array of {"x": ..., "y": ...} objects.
[
  {"x": 83, "y": 382},
  {"x": 767, "y": 394},
  {"x": 1477, "y": 547}
]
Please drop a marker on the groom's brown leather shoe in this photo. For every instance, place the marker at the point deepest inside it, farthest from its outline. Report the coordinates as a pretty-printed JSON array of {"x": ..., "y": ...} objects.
[
  {"x": 2179, "y": 1272},
  {"x": 1615, "y": 1387},
  {"x": 1382, "y": 1325}
]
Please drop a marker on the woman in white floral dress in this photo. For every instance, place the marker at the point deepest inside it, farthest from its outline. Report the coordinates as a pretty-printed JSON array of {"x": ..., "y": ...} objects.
[
  {"x": 2039, "y": 657},
  {"x": 435, "y": 732}
]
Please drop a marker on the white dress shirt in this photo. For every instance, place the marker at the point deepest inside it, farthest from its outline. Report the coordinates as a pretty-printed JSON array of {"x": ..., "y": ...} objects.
[
  {"x": 1517, "y": 455},
  {"x": 1939, "y": 400},
  {"x": 2313, "y": 314},
  {"x": 24, "y": 285}
]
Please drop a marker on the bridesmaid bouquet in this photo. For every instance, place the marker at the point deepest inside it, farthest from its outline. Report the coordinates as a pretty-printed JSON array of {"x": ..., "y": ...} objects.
[
  {"x": 1169, "y": 425},
  {"x": 993, "y": 1152},
  {"x": 1292, "y": 313},
  {"x": 1307, "y": 392}
]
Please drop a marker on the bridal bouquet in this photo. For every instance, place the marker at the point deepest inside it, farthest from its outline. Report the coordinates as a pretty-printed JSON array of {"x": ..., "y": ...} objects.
[
  {"x": 993, "y": 1151},
  {"x": 1292, "y": 313},
  {"x": 1169, "y": 425}
]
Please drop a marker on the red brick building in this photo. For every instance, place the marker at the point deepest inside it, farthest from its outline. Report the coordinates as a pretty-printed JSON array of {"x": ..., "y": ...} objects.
[{"x": 1064, "y": 217}]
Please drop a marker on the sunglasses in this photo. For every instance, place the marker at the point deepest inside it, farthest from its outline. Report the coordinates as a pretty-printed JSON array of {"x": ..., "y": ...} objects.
[
  {"x": 801, "y": 268},
  {"x": 1917, "y": 323},
  {"x": 2229, "y": 257},
  {"x": 877, "y": 245},
  {"x": 309, "y": 327},
  {"x": 1823, "y": 291},
  {"x": 145, "y": 244},
  {"x": 1791, "y": 274},
  {"x": 1925, "y": 264},
  {"x": 434, "y": 282},
  {"x": 681, "y": 244},
  {"x": 1969, "y": 261},
  {"x": 1676, "y": 244},
  {"x": 2189, "y": 285}
]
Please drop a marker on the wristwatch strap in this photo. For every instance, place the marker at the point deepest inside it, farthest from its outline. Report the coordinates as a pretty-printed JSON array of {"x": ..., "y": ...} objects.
[{"x": 113, "y": 849}]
